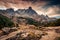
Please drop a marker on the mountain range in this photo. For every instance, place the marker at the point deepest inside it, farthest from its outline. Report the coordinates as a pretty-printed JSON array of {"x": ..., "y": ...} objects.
[{"x": 26, "y": 13}]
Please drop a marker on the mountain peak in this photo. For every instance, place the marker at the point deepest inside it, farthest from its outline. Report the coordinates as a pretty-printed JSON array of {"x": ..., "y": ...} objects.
[
  {"x": 30, "y": 7},
  {"x": 31, "y": 11}
]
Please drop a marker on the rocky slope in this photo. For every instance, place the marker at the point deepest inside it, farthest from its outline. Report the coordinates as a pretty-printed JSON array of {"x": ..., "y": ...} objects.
[{"x": 33, "y": 33}]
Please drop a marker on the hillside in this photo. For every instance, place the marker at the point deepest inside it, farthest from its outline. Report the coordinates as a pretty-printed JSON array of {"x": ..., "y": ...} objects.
[{"x": 5, "y": 22}]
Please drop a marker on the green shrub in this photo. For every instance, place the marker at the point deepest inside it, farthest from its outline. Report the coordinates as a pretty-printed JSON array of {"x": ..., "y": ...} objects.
[{"x": 5, "y": 22}]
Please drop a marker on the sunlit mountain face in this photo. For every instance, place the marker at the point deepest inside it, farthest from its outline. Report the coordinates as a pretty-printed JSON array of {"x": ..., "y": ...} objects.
[{"x": 45, "y": 7}]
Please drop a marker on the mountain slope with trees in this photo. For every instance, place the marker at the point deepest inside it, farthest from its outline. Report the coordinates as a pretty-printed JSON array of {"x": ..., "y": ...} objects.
[{"x": 5, "y": 22}]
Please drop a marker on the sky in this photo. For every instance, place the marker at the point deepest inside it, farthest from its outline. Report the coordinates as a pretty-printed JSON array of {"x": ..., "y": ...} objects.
[{"x": 45, "y": 7}]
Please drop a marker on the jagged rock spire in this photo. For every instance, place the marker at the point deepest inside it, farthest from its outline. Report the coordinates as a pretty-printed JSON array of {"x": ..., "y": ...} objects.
[{"x": 30, "y": 7}]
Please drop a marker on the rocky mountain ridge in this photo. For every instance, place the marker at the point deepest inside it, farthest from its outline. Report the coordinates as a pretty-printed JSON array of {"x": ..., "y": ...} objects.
[{"x": 26, "y": 13}]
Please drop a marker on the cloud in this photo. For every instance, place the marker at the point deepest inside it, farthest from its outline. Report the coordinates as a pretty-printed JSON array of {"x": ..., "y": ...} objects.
[
  {"x": 53, "y": 11},
  {"x": 54, "y": 2},
  {"x": 22, "y": 3}
]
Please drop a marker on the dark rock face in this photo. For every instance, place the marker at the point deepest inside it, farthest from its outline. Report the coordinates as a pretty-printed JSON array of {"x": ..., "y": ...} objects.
[
  {"x": 10, "y": 10},
  {"x": 31, "y": 11},
  {"x": 26, "y": 12}
]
